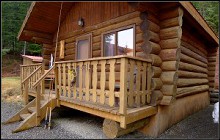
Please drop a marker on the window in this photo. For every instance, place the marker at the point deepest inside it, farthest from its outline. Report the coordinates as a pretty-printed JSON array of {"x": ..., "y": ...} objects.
[{"x": 119, "y": 42}]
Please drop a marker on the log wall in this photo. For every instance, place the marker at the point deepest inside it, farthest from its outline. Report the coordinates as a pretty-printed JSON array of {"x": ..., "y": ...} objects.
[
  {"x": 170, "y": 38},
  {"x": 193, "y": 66},
  {"x": 149, "y": 47}
]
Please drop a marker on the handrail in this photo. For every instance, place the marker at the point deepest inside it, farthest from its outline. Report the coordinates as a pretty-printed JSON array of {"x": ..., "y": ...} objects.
[
  {"x": 105, "y": 58},
  {"x": 42, "y": 77},
  {"x": 27, "y": 78},
  {"x": 31, "y": 65}
]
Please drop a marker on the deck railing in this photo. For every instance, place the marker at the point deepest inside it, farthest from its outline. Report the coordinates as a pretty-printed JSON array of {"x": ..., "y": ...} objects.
[
  {"x": 29, "y": 75},
  {"x": 117, "y": 82}
]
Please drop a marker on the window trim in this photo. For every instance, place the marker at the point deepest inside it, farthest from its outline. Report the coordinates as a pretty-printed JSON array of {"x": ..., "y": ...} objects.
[
  {"x": 84, "y": 37},
  {"x": 116, "y": 38}
]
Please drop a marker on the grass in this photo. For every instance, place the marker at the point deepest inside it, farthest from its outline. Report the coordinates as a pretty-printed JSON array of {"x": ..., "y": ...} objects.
[{"x": 11, "y": 89}]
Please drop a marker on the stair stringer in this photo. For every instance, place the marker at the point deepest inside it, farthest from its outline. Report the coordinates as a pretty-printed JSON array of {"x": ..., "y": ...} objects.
[
  {"x": 17, "y": 117},
  {"x": 32, "y": 121}
]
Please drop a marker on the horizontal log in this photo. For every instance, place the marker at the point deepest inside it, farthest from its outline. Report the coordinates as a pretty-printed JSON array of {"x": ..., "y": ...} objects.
[
  {"x": 169, "y": 77},
  {"x": 151, "y": 36},
  {"x": 211, "y": 85},
  {"x": 212, "y": 64},
  {"x": 181, "y": 92},
  {"x": 156, "y": 83},
  {"x": 169, "y": 66},
  {"x": 211, "y": 79},
  {"x": 211, "y": 68},
  {"x": 176, "y": 21},
  {"x": 191, "y": 82},
  {"x": 166, "y": 100},
  {"x": 194, "y": 41},
  {"x": 70, "y": 45},
  {"x": 96, "y": 46},
  {"x": 47, "y": 46},
  {"x": 96, "y": 53},
  {"x": 151, "y": 47},
  {"x": 170, "y": 54},
  {"x": 156, "y": 71},
  {"x": 169, "y": 90},
  {"x": 139, "y": 38},
  {"x": 156, "y": 96},
  {"x": 156, "y": 60},
  {"x": 211, "y": 73},
  {"x": 46, "y": 51},
  {"x": 153, "y": 26},
  {"x": 112, "y": 129},
  {"x": 212, "y": 59},
  {"x": 190, "y": 60},
  {"x": 171, "y": 32},
  {"x": 70, "y": 51},
  {"x": 191, "y": 67},
  {"x": 142, "y": 55},
  {"x": 188, "y": 52},
  {"x": 69, "y": 57},
  {"x": 187, "y": 74},
  {"x": 139, "y": 47},
  {"x": 170, "y": 43},
  {"x": 170, "y": 13},
  {"x": 96, "y": 39},
  {"x": 192, "y": 48}
]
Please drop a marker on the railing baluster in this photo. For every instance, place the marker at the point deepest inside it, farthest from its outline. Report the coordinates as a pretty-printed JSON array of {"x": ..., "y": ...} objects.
[
  {"x": 80, "y": 80},
  {"x": 38, "y": 98},
  {"x": 59, "y": 70},
  {"x": 144, "y": 78},
  {"x": 123, "y": 86},
  {"x": 87, "y": 80},
  {"x": 138, "y": 84},
  {"x": 56, "y": 83},
  {"x": 94, "y": 80},
  {"x": 131, "y": 84},
  {"x": 74, "y": 85},
  {"x": 64, "y": 79},
  {"x": 102, "y": 82},
  {"x": 148, "y": 82},
  {"x": 69, "y": 91},
  {"x": 112, "y": 82},
  {"x": 26, "y": 91}
]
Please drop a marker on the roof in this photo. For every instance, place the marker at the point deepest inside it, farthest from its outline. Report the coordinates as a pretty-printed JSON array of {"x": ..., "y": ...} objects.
[
  {"x": 41, "y": 21},
  {"x": 33, "y": 58}
]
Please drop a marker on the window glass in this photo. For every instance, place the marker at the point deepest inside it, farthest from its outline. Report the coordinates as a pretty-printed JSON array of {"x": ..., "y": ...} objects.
[
  {"x": 125, "y": 42},
  {"x": 109, "y": 44},
  {"x": 83, "y": 49}
]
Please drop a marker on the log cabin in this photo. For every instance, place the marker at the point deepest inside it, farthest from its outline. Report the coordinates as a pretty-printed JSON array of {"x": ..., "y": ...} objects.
[{"x": 139, "y": 65}]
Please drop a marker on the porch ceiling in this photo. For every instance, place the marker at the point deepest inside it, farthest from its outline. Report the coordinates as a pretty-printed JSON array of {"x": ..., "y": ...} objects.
[{"x": 41, "y": 21}]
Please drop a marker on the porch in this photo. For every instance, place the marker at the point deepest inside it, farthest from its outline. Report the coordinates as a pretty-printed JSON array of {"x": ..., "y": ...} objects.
[{"x": 116, "y": 88}]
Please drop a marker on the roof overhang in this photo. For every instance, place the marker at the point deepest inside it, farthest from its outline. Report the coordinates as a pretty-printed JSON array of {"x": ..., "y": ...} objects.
[{"x": 41, "y": 21}]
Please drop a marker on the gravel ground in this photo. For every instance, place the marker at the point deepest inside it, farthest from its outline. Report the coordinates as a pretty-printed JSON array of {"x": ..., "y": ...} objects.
[{"x": 72, "y": 124}]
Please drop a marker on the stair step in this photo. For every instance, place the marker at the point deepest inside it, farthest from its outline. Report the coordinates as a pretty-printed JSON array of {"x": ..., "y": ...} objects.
[
  {"x": 24, "y": 116},
  {"x": 32, "y": 109}
]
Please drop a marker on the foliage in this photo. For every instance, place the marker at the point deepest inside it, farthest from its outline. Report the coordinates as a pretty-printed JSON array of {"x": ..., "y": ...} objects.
[
  {"x": 13, "y": 15},
  {"x": 210, "y": 11}
]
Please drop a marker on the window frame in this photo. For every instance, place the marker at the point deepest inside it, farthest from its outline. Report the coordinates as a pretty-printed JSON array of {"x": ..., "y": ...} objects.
[{"x": 116, "y": 39}]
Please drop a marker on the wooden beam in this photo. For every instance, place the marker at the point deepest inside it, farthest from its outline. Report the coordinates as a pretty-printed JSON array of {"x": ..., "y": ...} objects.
[
  {"x": 38, "y": 34},
  {"x": 26, "y": 19},
  {"x": 41, "y": 40}
]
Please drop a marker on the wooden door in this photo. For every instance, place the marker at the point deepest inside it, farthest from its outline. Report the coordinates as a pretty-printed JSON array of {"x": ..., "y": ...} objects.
[{"x": 83, "y": 51}]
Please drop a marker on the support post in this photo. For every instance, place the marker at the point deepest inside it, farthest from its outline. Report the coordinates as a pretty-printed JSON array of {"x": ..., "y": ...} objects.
[{"x": 38, "y": 113}]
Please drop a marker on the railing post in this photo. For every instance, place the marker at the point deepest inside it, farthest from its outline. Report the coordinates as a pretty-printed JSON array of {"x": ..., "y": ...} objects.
[
  {"x": 43, "y": 81},
  {"x": 123, "y": 86},
  {"x": 25, "y": 95},
  {"x": 38, "y": 113}
]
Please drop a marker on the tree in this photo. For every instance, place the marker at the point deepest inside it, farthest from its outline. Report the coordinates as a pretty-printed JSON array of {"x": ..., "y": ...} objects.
[
  {"x": 13, "y": 14},
  {"x": 210, "y": 12}
]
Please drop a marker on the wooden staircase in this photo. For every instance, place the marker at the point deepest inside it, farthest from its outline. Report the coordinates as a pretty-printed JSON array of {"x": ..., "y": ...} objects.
[{"x": 28, "y": 114}]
